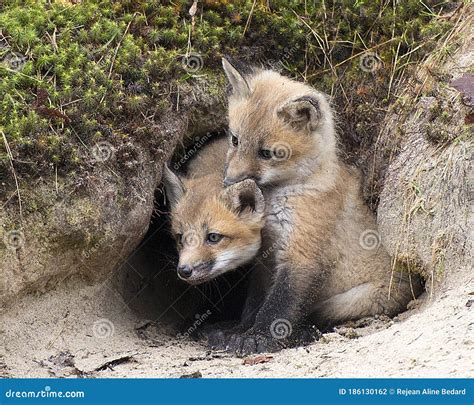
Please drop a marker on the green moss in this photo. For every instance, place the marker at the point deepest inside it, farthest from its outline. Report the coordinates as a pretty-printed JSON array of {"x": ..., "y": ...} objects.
[
  {"x": 441, "y": 128},
  {"x": 466, "y": 134},
  {"x": 437, "y": 134},
  {"x": 106, "y": 64}
]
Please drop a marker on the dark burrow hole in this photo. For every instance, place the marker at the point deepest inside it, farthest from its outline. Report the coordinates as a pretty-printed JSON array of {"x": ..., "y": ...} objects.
[{"x": 150, "y": 284}]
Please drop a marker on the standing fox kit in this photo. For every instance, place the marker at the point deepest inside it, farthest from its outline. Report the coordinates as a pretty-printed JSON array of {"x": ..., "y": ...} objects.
[
  {"x": 321, "y": 258},
  {"x": 216, "y": 229}
]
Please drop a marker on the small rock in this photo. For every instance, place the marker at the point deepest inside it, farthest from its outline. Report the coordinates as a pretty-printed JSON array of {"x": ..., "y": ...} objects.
[
  {"x": 465, "y": 85},
  {"x": 63, "y": 359},
  {"x": 196, "y": 374}
]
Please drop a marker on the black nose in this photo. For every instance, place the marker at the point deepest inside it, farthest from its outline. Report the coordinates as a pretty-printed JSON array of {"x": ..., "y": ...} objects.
[
  {"x": 185, "y": 271},
  {"x": 229, "y": 181}
]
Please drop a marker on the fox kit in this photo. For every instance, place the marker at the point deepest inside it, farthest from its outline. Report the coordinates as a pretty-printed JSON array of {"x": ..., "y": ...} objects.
[
  {"x": 216, "y": 229},
  {"x": 322, "y": 259}
]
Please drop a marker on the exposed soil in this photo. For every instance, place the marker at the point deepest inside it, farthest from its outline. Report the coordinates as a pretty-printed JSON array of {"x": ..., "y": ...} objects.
[{"x": 90, "y": 331}]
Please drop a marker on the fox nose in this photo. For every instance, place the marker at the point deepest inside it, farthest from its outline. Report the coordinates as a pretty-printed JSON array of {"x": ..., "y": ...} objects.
[
  {"x": 228, "y": 181},
  {"x": 185, "y": 271}
]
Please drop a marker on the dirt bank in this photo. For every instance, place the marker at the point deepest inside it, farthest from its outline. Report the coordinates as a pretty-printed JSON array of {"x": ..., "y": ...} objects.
[{"x": 83, "y": 331}]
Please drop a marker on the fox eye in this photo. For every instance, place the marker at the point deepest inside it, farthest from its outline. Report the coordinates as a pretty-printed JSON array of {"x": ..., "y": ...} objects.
[
  {"x": 265, "y": 154},
  {"x": 235, "y": 140},
  {"x": 214, "y": 238}
]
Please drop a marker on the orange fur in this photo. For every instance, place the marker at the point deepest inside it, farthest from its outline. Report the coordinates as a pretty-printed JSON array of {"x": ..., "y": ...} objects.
[
  {"x": 315, "y": 214},
  {"x": 204, "y": 207}
]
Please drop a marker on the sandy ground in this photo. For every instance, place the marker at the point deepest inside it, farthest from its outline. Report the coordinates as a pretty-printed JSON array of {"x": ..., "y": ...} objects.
[{"x": 84, "y": 331}]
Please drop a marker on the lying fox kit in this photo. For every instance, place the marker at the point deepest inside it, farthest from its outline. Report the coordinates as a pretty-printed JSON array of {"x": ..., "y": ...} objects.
[
  {"x": 322, "y": 260},
  {"x": 216, "y": 229}
]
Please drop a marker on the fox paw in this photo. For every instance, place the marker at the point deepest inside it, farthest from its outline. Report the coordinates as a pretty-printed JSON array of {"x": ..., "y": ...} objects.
[
  {"x": 304, "y": 335},
  {"x": 250, "y": 342},
  {"x": 218, "y": 335},
  {"x": 216, "y": 339},
  {"x": 243, "y": 344}
]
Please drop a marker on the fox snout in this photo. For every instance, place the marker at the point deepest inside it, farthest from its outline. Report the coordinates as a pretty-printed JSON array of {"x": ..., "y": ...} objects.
[
  {"x": 233, "y": 176},
  {"x": 239, "y": 168},
  {"x": 228, "y": 181},
  {"x": 186, "y": 271}
]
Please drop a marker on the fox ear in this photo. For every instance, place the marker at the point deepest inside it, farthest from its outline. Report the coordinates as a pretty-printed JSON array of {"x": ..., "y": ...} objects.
[
  {"x": 303, "y": 112},
  {"x": 237, "y": 80},
  {"x": 245, "y": 199},
  {"x": 173, "y": 185}
]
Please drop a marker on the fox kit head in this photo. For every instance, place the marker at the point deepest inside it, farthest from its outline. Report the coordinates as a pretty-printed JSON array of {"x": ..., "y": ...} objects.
[
  {"x": 281, "y": 131},
  {"x": 216, "y": 229}
]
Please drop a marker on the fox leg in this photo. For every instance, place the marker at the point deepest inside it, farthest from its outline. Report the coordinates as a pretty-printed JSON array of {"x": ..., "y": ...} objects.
[
  {"x": 368, "y": 299},
  {"x": 278, "y": 323},
  {"x": 259, "y": 283}
]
